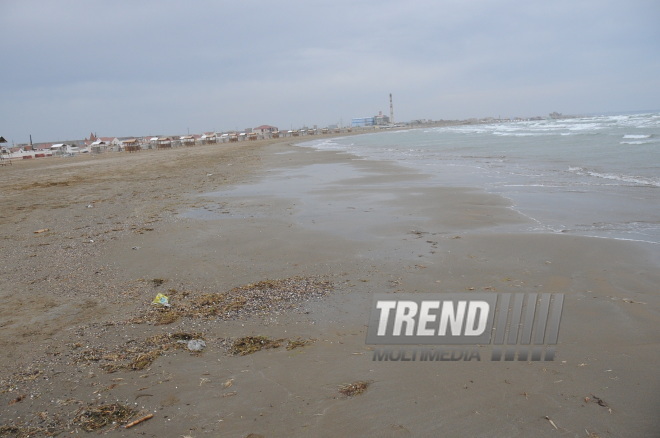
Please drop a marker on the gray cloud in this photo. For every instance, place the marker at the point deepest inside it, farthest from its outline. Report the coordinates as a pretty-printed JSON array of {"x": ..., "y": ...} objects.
[{"x": 134, "y": 68}]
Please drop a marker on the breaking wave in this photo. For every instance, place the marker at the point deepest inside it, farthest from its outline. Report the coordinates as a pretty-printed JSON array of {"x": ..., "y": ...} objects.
[{"x": 636, "y": 180}]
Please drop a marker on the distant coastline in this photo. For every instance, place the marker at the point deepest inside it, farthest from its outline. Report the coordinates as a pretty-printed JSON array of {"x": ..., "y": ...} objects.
[{"x": 303, "y": 131}]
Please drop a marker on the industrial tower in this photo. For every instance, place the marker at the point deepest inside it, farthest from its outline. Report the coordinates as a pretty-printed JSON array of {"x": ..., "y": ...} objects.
[{"x": 391, "y": 111}]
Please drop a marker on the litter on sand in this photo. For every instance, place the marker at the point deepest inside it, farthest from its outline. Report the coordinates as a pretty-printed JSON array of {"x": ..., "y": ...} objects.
[
  {"x": 95, "y": 417},
  {"x": 161, "y": 300},
  {"x": 138, "y": 421},
  {"x": 196, "y": 345},
  {"x": 355, "y": 388}
]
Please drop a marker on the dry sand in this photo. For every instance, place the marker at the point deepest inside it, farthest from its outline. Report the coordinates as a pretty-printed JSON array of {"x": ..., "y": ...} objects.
[{"x": 266, "y": 239}]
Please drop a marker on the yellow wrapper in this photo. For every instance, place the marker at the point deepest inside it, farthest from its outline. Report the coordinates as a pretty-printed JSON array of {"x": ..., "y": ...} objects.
[{"x": 162, "y": 300}]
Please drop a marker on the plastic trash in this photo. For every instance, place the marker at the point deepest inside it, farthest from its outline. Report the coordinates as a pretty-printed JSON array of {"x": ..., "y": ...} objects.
[
  {"x": 161, "y": 300},
  {"x": 196, "y": 345}
]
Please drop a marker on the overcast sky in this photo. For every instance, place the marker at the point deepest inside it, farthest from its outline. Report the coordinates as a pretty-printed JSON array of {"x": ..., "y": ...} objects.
[{"x": 146, "y": 67}]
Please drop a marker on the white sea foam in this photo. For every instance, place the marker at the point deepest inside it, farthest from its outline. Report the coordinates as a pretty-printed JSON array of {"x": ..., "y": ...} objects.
[
  {"x": 614, "y": 177},
  {"x": 586, "y": 127},
  {"x": 637, "y": 136},
  {"x": 517, "y": 134},
  {"x": 635, "y": 142}
]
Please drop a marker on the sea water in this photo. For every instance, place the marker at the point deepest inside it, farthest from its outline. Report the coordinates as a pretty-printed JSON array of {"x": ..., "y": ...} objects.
[{"x": 594, "y": 176}]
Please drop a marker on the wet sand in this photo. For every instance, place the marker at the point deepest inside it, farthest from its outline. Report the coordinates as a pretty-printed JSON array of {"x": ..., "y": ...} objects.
[{"x": 208, "y": 219}]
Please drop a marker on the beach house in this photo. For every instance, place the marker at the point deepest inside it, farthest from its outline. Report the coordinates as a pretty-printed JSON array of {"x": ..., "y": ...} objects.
[
  {"x": 163, "y": 142},
  {"x": 265, "y": 131},
  {"x": 187, "y": 140},
  {"x": 209, "y": 138},
  {"x": 131, "y": 145}
]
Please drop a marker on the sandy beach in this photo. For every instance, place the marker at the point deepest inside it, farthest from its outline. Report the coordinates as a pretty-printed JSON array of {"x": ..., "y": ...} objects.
[{"x": 284, "y": 246}]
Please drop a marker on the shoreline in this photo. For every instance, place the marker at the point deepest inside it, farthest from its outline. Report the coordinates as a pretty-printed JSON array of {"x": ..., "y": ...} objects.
[
  {"x": 286, "y": 211},
  {"x": 563, "y": 189}
]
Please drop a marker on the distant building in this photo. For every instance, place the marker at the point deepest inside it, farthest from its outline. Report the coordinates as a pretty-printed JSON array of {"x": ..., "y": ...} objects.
[
  {"x": 42, "y": 146},
  {"x": 62, "y": 149},
  {"x": 362, "y": 121},
  {"x": 209, "y": 138},
  {"x": 163, "y": 142},
  {"x": 187, "y": 140},
  {"x": 378, "y": 120},
  {"x": 381, "y": 119},
  {"x": 112, "y": 141},
  {"x": 131, "y": 145},
  {"x": 265, "y": 129}
]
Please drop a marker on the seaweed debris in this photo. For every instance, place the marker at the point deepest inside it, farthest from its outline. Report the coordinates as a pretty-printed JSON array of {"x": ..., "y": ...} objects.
[
  {"x": 251, "y": 344},
  {"x": 20, "y": 431},
  {"x": 266, "y": 297},
  {"x": 355, "y": 388},
  {"x": 93, "y": 418},
  {"x": 297, "y": 343},
  {"x": 136, "y": 356}
]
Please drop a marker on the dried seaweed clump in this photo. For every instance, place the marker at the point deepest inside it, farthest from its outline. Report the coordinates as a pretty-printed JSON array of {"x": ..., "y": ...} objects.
[
  {"x": 96, "y": 417},
  {"x": 165, "y": 316},
  {"x": 262, "y": 298},
  {"x": 138, "y": 356},
  {"x": 143, "y": 360},
  {"x": 20, "y": 431},
  {"x": 251, "y": 344},
  {"x": 355, "y": 388},
  {"x": 296, "y": 343}
]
